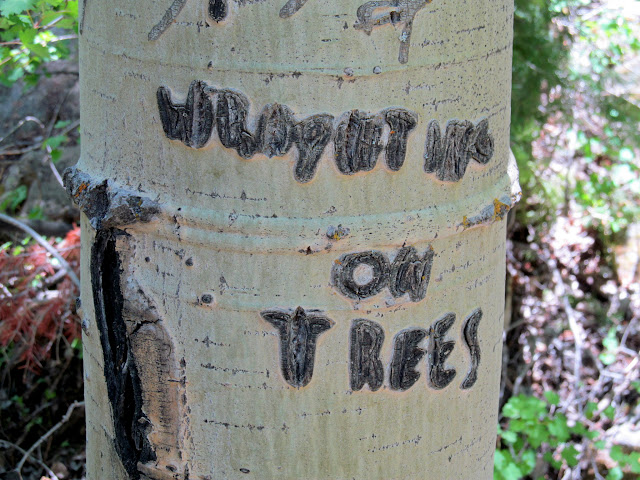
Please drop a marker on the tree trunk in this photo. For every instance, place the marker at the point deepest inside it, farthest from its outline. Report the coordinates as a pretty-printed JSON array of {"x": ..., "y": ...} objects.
[{"x": 293, "y": 237}]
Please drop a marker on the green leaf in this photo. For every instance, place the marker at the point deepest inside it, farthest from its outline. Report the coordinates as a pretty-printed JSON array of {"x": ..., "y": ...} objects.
[
  {"x": 50, "y": 16},
  {"x": 558, "y": 428},
  {"x": 500, "y": 459},
  {"x": 610, "y": 342},
  {"x": 66, "y": 23},
  {"x": 36, "y": 213},
  {"x": 634, "y": 462},
  {"x": 538, "y": 434},
  {"x": 528, "y": 462},
  {"x": 600, "y": 445},
  {"x": 570, "y": 454},
  {"x": 552, "y": 397},
  {"x": 56, "y": 154},
  {"x": 27, "y": 36},
  {"x": 592, "y": 435},
  {"x": 509, "y": 437},
  {"x": 610, "y": 412},
  {"x": 590, "y": 409},
  {"x": 55, "y": 142},
  {"x": 548, "y": 457},
  {"x": 607, "y": 358},
  {"x": 10, "y": 7},
  {"x": 510, "y": 410},
  {"x": 39, "y": 50},
  {"x": 11, "y": 200},
  {"x": 579, "y": 429},
  {"x": 617, "y": 454},
  {"x": 615, "y": 474},
  {"x": 512, "y": 472},
  {"x": 72, "y": 9}
]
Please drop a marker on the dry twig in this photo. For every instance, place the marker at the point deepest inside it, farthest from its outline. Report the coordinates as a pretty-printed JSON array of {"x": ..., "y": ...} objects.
[
  {"x": 43, "y": 465},
  {"x": 36, "y": 236},
  {"x": 51, "y": 431}
]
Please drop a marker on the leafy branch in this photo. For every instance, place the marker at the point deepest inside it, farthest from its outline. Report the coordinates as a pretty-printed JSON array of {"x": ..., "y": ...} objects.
[{"x": 33, "y": 32}]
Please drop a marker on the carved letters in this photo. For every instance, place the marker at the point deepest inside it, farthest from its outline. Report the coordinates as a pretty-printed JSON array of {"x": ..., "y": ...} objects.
[
  {"x": 298, "y": 334},
  {"x": 167, "y": 19},
  {"x": 357, "y": 142},
  {"x": 190, "y": 122},
  {"x": 408, "y": 273},
  {"x": 276, "y": 129},
  {"x": 311, "y": 137},
  {"x": 448, "y": 158},
  {"x": 370, "y": 15},
  {"x": 291, "y": 7},
  {"x": 217, "y": 10},
  {"x": 343, "y": 274},
  {"x": 395, "y": 12},
  {"x": 232, "y": 110},
  {"x": 471, "y": 338},
  {"x": 401, "y": 123},
  {"x": 439, "y": 375},
  {"x": 365, "y": 366},
  {"x": 406, "y": 355},
  {"x": 299, "y": 331},
  {"x": 359, "y": 137}
]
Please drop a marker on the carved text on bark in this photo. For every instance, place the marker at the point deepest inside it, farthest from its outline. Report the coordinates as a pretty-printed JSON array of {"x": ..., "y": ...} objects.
[
  {"x": 299, "y": 330},
  {"x": 370, "y": 15},
  {"x": 358, "y": 137}
]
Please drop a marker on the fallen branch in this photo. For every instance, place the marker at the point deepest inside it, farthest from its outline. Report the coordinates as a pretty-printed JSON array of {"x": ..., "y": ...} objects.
[
  {"x": 20, "y": 124},
  {"x": 36, "y": 236},
  {"x": 46, "y": 228},
  {"x": 39, "y": 144},
  {"x": 51, "y": 431},
  {"x": 43, "y": 465}
]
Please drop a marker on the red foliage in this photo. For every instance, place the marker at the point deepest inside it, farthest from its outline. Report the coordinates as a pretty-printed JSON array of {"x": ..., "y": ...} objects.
[{"x": 37, "y": 301}]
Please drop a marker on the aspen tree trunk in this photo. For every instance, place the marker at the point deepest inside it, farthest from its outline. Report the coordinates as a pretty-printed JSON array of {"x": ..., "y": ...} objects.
[{"x": 293, "y": 236}]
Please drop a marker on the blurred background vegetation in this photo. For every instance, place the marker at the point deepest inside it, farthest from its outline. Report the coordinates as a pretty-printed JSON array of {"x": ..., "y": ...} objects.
[{"x": 570, "y": 381}]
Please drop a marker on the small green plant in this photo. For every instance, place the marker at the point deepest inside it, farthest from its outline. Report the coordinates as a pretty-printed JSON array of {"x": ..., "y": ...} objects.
[
  {"x": 537, "y": 428},
  {"x": 630, "y": 460},
  {"x": 610, "y": 344},
  {"x": 10, "y": 201},
  {"x": 33, "y": 32}
]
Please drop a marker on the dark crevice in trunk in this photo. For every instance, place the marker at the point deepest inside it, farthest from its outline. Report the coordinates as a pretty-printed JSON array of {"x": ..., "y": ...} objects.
[{"x": 121, "y": 374}]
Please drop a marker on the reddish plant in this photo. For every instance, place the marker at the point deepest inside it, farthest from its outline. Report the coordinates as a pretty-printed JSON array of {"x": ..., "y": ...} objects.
[{"x": 37, "y": 301}]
